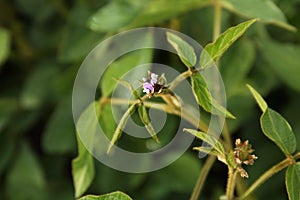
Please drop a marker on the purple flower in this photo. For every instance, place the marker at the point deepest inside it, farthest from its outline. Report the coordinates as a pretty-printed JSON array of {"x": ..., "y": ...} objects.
[
  {"x": 148, "y": 83},
  {"x": 148, "y": 87}
]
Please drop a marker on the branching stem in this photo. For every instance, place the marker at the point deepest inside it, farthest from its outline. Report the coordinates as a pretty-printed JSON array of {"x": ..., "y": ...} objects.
[{"x": 269, "y": 173}]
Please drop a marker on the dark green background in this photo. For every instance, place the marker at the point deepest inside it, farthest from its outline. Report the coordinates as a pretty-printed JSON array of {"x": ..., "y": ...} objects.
[{"x": 45, "y": 42}]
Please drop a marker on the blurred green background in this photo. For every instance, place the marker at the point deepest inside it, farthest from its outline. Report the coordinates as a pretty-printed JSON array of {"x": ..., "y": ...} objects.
[{"x": 42, "y": 44}]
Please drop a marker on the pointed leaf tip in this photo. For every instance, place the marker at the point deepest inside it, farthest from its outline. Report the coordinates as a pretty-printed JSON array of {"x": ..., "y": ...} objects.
[
  {"x": 260, "y": 101},
  {"x": 184, "y": 50}
]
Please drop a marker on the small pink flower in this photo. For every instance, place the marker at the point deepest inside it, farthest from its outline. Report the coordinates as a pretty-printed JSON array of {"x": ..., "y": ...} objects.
[
  {"x": 148, "y": 83},
  {"x": 148, "y": 88}
]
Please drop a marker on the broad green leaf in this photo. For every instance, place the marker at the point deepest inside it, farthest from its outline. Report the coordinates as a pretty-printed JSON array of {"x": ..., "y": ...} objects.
[
  {"x": 121, "y": 125},
  {"x": 292, "y": 181},
  {"x": 83, "y": 165},
  {"x": 260, "y": 101},
  {"x": 83, "y": 171},
  {"x": 265, "y": 10},
  {"x": 4, "y": 45},
  {"x": 59, "y": 134},
  {"x": 184, "y": 50},
  {"x": 204, "y": 98},
  {"x": 77, "y": 43},
  {"x": 120, "y": 67},
  {"x": 8, "y": 107},
  {"x": 132, "y": 13},
  {"x": 124, "y": 13},
  {"x": 25, "y": 178},
  {"x": 107, "y": 120},
  {"x": 38, "y": 87},
  {"x": 78, "y": 40},
  {"x": 111, "y": 196},
  {"x": 7, "y": 146},
  {"x": 146, "y": 121},
  {"x": 277, "y": 129},
  {"x": 284, "y": 60},
  {"x": 213, "y": 51},
  {"x": 201, "y": 91},
  {"x": 157, "y": 11},
  {"x": 210, "y": 139}
]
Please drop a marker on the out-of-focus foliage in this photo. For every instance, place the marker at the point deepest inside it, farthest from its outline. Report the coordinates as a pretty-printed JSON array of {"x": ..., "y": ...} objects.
[{"x": 42, "y": 44}]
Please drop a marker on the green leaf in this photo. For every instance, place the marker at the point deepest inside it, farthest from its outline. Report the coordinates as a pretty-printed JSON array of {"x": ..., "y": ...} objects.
[
  {"x": 201, "y": 91},
  {"x": 277, "y": 129},
  {"x": 184, "y": 50},
  {"x": 284, "y": 60},
  {"x": 78, "y": 40},
  {"x": 210, "y": 139},
  {"x": 132, "y": 13},
  {"x": 8, "y": 107},
  {"x": 204, "y": 98},
  {"x": 26, "y": 176},
  {"x": 265, "y": 10},
  {"x": 121, "y": 125},
  {"x": 146, "y": 121},
  {"x": 7, "y": 146},
  {"x": 111, "y": 196},
  {"x": 107, "y": 120},
  {"x": 213, "y": 51},
  {"x": 292, "y": 181},
  {"x": 83, "y": 170},
  {"x": 38, "y": 87},
  {"x": 4, "y": 45},
  {"x": 124, "y": 13},
  {"x": 59, "y": 135},
  {"x": 143, "y": 114},
  {"x": 157, "y": 11},
  {"x": 121, "y": 66},
  {"x": 260, "y": 101}
]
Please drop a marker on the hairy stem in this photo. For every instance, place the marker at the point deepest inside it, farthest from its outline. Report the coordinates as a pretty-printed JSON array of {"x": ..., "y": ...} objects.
[
  {"x": 269, "y": 173},
  {"x": 227, "y": 138},
  {"x": 231, "y": 183},
  {"x": 202, "y": 177},
  {"x": 179, "y": 79}
]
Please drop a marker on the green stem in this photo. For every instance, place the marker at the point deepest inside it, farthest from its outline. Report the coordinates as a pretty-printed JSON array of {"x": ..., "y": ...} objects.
[
  {"x": 179, "y": 78},
  {"x": 202, "y": 177},
  {"x": 231, "y": 183},
  {"x": 269, "y": 173},
  {"x": 217, "y": 19},
  {"x": 227, "y": 138}
]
